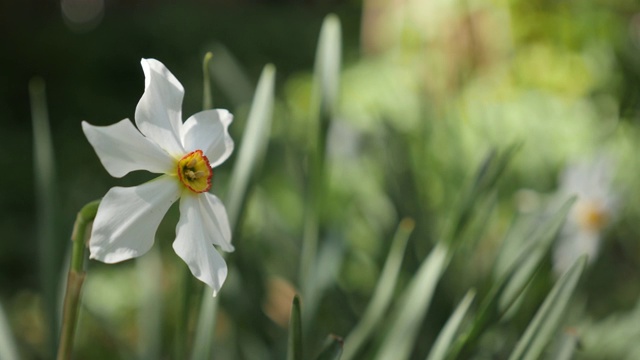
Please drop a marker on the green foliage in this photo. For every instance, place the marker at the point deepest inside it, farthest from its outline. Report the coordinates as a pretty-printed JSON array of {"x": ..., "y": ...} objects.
[{"x": 353, "y": 185}]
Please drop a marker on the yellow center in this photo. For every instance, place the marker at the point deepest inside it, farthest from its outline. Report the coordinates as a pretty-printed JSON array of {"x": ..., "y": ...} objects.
[
  {"x": 592, "y": 216},
  {"x": 195, "y": 172}
]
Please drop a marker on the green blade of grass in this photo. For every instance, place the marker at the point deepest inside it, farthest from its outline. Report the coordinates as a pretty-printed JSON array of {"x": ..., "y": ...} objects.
[
  {"x": 486, "y": 178},
  {"x": 324, "y": 102},
  {"x": 567, "y": 346},
  {"x": 207, "y": 99},
  {"x": 382, "y": 294},
  {"x": 332, "y": 349},
  {"x": 494, "y": 305},
  {"x": 8, "y": 348},
  {"x": 254, "y": 143},
  {"x": 252, "y": 149},
  {"x": 45, "y": 180},
  {"x": 149, "y": 270},
  {"x": 548, "y": 318},
  {"x": 295, "y": 332},
  {"x": 543, "y": 235},
  {"x": 447, "y": 335},
  {"x": 413, "y": 306},
  {"x": 231, "y": 78}
]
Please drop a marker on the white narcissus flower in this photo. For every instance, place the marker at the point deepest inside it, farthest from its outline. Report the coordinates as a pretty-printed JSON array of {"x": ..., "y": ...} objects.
[
  {"x": 185, "y": 154},
  {"x": 595, "y": 207}
]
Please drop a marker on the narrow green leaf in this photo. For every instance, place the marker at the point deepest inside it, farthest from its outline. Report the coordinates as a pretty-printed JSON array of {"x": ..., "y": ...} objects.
[
  {"x": 207, "y": 100},
  {"x": 327, "y": 65},
  {"x": 149, "y": 270},
  {"x": 413, "y": 306},
  {"x": 295, "y": 332},
  {"x": 45, "y": 180},
  {"x": 382, "y": 294},
  {"x": 485, "y": 180},
  {"x": 254, "y": 143},
  {"x": 494, "y": 305},
  {"x": 567, "y": 345},
  {"x": 543, "y": 234},
  {"x": 447, "y": 335},
  {"x": 548, "y": 318},
  {"x": 8, "y": 348},
  {"x": 252, "y": 149},
  {"x": 332, "y": 349},
  {"x": 324, "y": 103},
  {"x": 231, "y": 78}
]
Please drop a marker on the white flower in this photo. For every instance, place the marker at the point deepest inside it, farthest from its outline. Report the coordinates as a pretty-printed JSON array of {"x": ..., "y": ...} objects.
[
  {"x": 596, "y": 205},
  {"x": 185, "y": 154}
]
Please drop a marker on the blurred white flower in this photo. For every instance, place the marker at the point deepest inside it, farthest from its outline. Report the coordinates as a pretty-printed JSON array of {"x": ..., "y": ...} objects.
[
  {"x": 596, "y": 206},
  {"x": 185, "y": 154}
]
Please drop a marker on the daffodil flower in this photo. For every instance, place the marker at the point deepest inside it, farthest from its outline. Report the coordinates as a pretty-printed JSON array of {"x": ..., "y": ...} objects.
[
  {"x": 596, "y": 206},
  {"x": 184, "y": 153}
]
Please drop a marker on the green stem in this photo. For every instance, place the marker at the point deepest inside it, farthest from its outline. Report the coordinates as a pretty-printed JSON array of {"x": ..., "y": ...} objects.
[{"x": 75, "y": 279}]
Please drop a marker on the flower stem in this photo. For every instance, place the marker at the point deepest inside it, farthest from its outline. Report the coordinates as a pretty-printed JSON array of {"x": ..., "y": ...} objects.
[{"x": 75, "y": 279}]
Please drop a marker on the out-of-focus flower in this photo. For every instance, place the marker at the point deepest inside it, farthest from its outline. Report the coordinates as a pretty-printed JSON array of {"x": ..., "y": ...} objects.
[
  {"x": 185, "y": 154},
  {"x": 596, "y": 206}
]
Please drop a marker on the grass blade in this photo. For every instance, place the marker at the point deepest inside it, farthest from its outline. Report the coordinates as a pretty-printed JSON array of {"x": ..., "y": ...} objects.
[
  {"x": 254, "y": 143},
  {"x": 207, "y": 100},
  {"x": 295, "y": 332},
  {"x": 512, "y": 280},
  {"x": 547, "y": 320},
  {"x": 383, "y": 292},
  {"x": 8, "y": 348},
  {"x": 332, "y": 350},
  {"x": 149, "y": 270},
  {"x": 324, "y": 100},
  {"x": 447, "y": 335},
  {"x": 231, "y": 78},
  {"x": 414, "y": 304},
  {"x": 252, "y": 149},
  {"x": 45, "y": 179},
  {"x": 567, "y": 345},
  {"x": 543, "y": 235}
]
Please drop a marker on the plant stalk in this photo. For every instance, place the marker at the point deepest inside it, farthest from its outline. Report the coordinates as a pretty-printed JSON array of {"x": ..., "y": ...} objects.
[{"x": 75, "y": 279}]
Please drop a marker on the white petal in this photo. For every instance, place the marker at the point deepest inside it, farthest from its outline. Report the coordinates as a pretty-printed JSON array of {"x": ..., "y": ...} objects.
[
  {"x": 194, "y": 244},
  {"x": 215, "y": 220},
  {"x": 209, "y": 131},
  {"x": 128, "y": 218},
  {"x": 122, "y": 149},
  {"x": 159, "y": 111}
]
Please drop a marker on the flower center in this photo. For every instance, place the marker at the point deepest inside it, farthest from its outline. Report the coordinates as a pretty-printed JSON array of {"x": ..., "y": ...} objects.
[
  {"x": 592, "y": 216},
  {"x": 195, "y": 172}
]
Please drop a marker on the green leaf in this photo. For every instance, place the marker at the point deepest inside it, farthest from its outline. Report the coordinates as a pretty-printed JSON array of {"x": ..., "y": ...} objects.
[
  {"x": 254, "y": 143},
  {"x": 327, "y": 66},
  {"x": 207, "y": 101},
  {"x": 495, "y": 303},
  {"x": 548, "y": 318},
  {"x": 413, "y": 306},
  {"x": 45, "y": 191},
  {"x": 383, "y": 292},
  {"x": 529, "y": 259},
  {"x": 8, "y": 348},
  {"x": 295, "y": 332},
  {"x": 324, "y": 102},
  {"x": 149, "y": 272},
  {"x": 252, "y": 149},
  {"x": 231, "y": 78},
  {"x": 567, "y": 345},
  {"x": 447, "y": 335},
  {"x": 332, "y": 349},
  {"x": 485, "y": 180}
]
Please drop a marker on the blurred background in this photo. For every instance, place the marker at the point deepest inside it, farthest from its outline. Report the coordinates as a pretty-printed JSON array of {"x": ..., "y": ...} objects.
[{"x": 427, "y": 90}]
